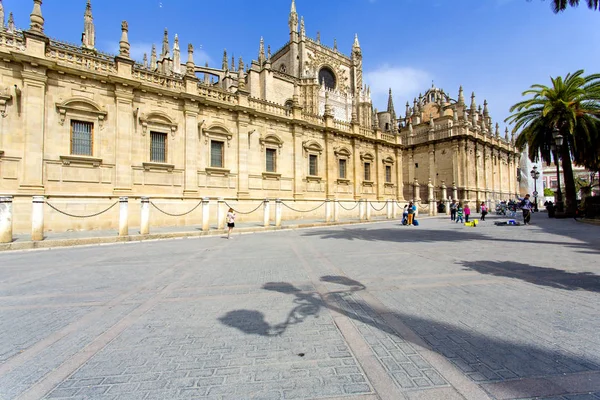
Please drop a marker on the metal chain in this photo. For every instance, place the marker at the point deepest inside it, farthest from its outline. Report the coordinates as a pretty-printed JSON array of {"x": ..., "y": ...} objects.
[
  {"x": 301, "y": 211},
  {"x": 81, "y": 216},
  {"x": 348, "y": 209},
  {"x": 176, "y": 215},
  {"x": 373, "y": 207},
  {"x": 240, "y": 212}
]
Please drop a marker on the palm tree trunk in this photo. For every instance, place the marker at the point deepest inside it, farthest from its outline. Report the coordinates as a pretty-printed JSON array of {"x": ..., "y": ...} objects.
[{"x": 570, "y": 192}]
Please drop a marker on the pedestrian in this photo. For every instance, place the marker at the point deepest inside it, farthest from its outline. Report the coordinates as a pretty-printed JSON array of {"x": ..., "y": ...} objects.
[
  {"x": 411, "y": 212},
  {"x": 405, "y": 215},
  {"x": 484, "y": 211},
  {"x": 526, "y": 206},
  {"x": 230, "y": 222},
  {"x": 459, "y": 214},
  {"x": 467, "y": 212},
  {"x": 453, "y": 207}
]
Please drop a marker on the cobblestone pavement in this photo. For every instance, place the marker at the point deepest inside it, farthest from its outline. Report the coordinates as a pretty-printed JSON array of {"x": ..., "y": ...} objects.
[{"x": 363, "y": 312}]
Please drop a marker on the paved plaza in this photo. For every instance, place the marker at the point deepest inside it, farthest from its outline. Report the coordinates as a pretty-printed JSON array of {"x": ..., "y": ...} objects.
[{"x": 358, "y": 312}]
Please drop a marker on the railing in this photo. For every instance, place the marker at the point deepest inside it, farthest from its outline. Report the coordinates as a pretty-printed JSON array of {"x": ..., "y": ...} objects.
[
  {"x": 12, "y": 40},
  {"x": 312, "y": 118},
  {"x": 285, "y": 76},
  {"x": 169, "y": 82},
  {"x": 342, "y": 125},
  {"x": 367, "y": 132},
  {"x": 78, "y": 57},
  {"x": 213, "y": 93},
  {"x": 268, "y": 107},
  {"x": 388, "y": 138}
]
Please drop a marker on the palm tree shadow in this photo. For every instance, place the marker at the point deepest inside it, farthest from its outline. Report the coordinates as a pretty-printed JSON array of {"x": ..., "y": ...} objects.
[{"x": 541, "y": 276}]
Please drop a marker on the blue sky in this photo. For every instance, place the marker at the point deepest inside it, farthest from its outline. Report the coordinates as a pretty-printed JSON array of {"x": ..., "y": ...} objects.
[{"x": 497, "y": 48}]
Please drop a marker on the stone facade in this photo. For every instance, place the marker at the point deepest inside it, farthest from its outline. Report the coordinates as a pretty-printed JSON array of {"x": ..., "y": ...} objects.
[{"x": 298, "y": 124}]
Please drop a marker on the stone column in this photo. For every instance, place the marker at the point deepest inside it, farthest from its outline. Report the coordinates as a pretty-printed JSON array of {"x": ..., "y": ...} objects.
[
  {"x": 34, "y": 126},
  {"x": 361, "y": 210},
  {"x": 6, "y": 210},
  {"x": 190, "y": 113},
  {"x": 266, "y": 214},
  {"x": 328, "y": 211},
  {"x": 454, "y": 191},
  {"x": 431, "y": 199},
  {"x": 399, "y": 176},
  {"x": 145, "y": 216},
  {"x": 37, "y": 218},
  {"x": 389, "y": 205},
  {"x": 336, "y": 210},
  {"x": 221, "y": 213},
  {"x": 242, "y": 157},
  {"x": 205, "y": 214},
  {"x": 123, "y": 216},
  {"x": 123, "y": 124},
  {"x": 356, "y": 170},
  {"x": 445, "y": 198},
  {"x": 278, "y": 212},
  {"x": 394, "y": 208},
  {"x": 299, "y": 163},
  {"x": 368, "y": 210}
]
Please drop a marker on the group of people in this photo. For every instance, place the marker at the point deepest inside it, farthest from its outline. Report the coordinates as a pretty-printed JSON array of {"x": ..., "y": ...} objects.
[
  {"x": 408, "y": 215},
  {"x": 458, "y": 213}
]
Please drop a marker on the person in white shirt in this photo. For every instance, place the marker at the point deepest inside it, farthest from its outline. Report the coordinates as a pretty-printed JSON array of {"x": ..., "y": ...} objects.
[{"x": 230, "y": 221}]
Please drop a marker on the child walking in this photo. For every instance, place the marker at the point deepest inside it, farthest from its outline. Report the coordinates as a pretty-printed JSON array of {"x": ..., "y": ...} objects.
[
  {"x": 459, "y": 214},
  {"x": 467, "y": 212},
  {"x": 230, "y": 222}
]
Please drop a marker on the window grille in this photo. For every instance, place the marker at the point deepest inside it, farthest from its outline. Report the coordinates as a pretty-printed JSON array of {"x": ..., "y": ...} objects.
[
  {"x": 388, "y": 173},
  {"x": 312, "y": 165},
  {"x": 342, "y": 168},
  {"x": 271, "y": 160},
  {"x": 216, "y": 153},
  {"x": 81, "y": 138},
  {"x": 158, "y": 147},
  {"x": 367, "y": 171}
]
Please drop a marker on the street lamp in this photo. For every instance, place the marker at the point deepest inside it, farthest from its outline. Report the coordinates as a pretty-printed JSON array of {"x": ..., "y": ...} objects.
[
  {"x": 558, "y": 140},
  {"x": 535, "y": 174}
]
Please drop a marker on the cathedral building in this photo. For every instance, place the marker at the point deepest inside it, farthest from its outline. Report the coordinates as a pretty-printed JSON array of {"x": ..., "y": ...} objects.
[{"x": 298, "y": 124}]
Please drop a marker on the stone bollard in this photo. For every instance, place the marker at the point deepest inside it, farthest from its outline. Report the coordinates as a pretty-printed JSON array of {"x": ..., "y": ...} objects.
[
  {"x": 267, "y": 214},
  {"x": 388, "y": 205},
  {"x": 221, "y": 213},
  {"x": 145, "y": 215},
  {"x": 336, "y": 211},
  {"x": 361, "y": 210},
  {"x": 278, "y": 212},
  {"x": 394, "y": 208},
  {"x": 368, "y": 210},
  {"x": 328, "y": 211},
  {"x": 205, "y": 214},
  {"x": 123, "y": 216},
  {"x": 37, "y": 218},
  {"x": 6, "y": 210}
]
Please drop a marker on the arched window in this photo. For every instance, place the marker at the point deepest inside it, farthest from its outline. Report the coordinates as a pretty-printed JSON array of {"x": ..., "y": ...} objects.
[{"x": 327, "y": 76}]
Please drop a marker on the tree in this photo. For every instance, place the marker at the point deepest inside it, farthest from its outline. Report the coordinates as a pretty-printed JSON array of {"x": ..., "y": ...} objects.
[
  {"x": 548, "y": 192},
  {"x": 571, "y": 105},
  {"x": 561, "y": 5}
]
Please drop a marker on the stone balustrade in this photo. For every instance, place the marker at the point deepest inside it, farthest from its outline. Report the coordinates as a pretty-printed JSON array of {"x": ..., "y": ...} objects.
[
  {"x": 158, "y": 79},
  {"x": 268, "y": 107},
  {"x": 215, "y": 94},
  {"x": 77, "y": 57},
  {"x": 12, "y": 40}
]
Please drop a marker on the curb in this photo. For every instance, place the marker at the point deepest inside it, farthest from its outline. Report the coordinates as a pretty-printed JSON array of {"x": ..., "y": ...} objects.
[{"x": 76, "y": 242}]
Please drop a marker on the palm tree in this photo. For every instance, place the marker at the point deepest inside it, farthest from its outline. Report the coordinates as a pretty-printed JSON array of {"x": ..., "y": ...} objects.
[
  {"x": 561, "y": 5},
  {"x": 571, "y": 105}
]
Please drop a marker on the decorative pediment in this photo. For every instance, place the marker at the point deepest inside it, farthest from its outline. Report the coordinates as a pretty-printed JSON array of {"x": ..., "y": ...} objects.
[
  {"x": 366, "y": 157},
  {"x": 341, "y": 152},
  {"x": 270, "y": 140},
  {"x": 310, "y": 146},
  {"x": 217, "y": 132},
  {"x": 388, "y": 160},
  {"x": 81, "y": 105},
  {"x": 157, "y": 119}
]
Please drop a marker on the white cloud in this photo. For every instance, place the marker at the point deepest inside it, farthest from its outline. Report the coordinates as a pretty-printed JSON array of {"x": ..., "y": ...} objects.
[{"x": 406, "y": 83}]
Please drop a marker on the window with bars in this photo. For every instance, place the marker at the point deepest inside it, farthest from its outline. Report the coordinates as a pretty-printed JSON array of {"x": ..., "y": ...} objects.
[
  {"x": 271, "y": 160},
  {"x": 217, "y": 149},
  {"x": 342, "y": 168},
  {"x": 158, "y": 147},
  {"x": 313, "y": 166},
  {"x": 388, "y": 174},
  {"x": 367, "y": 171},
  {"x": 82, "y": 134}
]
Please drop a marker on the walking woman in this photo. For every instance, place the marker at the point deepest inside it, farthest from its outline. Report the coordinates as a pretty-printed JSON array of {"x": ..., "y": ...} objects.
[
  {"x": 484, "y": 211},
  {"x": 230, "y": 222}
]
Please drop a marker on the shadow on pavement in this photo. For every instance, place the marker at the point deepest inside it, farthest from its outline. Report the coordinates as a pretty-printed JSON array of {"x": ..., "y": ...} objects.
[
  {"x": 484, "y": 359},
  {"x": 551, "y": 277}
]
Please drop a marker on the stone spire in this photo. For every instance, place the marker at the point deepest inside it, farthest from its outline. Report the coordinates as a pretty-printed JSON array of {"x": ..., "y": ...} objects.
[
  {"x": 356, "y": 44},
  {"x": 497, "y": 130},
  {"x": 318, "y": 37},
  {"x": 269, "y": 54},
  {"x": 2, "y": 20},
  {"x": 407, "y": 111},
  {"x": 165, "y": 45},
  {"x": 190, "y": 64},
  {"x": 153, "y": 58},
  {"x": 473, "y": 104},
  {"x": 88, "y": 37},
  {"x": 334, "y": 44},
  {"x": 293, "y": 19},
  {"x": 390, "y": 107},
  {"x": 176, "y": 55},
  {"x": 146, "y": 60},
  {"x": 241, "y": 77},
  {"x": 431, "y": 123},
  {"x": 124, "y": 43},
  {"x": 375, "y": 119},
  {"x": 302, "y": 29},
  {"x": 461, "y": 97},
  {"x": 224, "y": 66},
  {"x": 206, "y": 80},
  {"x": 232, "y": 65},
  {"x": 486, "y": 112},
  {"x": 261, "y": 52},
  {"x": 11, "y": 23},
  {"x": 36, "y": 19}
]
